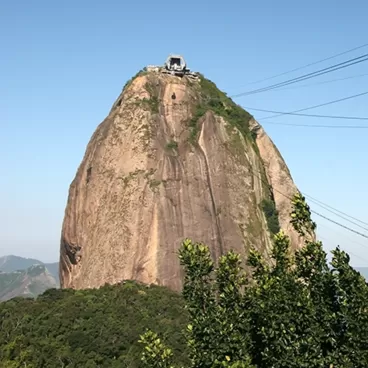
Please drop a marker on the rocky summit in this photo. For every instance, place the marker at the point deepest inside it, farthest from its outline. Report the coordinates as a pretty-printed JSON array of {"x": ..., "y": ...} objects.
[{"x": 174, "y": 158}]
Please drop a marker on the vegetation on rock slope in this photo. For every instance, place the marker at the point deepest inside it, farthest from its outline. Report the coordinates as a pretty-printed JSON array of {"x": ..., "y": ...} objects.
[
  {"x": 271, "y": 213},
  {"x": 211, "y": 98}
]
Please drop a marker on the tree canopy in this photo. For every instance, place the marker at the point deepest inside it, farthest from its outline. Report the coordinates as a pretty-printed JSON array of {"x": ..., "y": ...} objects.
[{"x": 89, "y": 328}]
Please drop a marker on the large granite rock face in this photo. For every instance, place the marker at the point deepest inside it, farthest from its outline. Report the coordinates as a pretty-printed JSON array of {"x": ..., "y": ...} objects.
[{"x": 167, "y": 163}]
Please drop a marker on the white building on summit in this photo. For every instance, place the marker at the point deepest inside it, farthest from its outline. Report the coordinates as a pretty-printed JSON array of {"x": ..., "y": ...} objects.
[{"x": 174, "y": 65}]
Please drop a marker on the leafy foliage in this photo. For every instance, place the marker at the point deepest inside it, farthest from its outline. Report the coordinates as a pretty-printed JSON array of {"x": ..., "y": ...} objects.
[
  {"x": 89, "y": 328},
  {"x": 156, "y": 355},
  {"x": 295, "y": 313},
  {"x": 301, "y": 216}
]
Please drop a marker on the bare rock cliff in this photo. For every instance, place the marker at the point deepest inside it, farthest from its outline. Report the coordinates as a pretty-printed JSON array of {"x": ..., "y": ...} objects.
[{"x": 174, "y": 158}]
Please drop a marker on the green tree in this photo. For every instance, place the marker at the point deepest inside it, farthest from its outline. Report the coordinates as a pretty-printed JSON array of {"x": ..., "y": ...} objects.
[
  {"x": 352, "y": 314},
  {"x": 218, "y": 330},
  {"x": 296, "y": 312}
]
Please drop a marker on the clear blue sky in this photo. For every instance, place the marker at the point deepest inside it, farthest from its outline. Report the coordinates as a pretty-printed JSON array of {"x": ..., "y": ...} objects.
[{"x": 63, "y": 63}]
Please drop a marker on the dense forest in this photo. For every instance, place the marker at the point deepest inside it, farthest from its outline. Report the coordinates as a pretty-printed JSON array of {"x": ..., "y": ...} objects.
[
  {"x": 89, "y": 328},
  {"x": 298, "y": 312}
]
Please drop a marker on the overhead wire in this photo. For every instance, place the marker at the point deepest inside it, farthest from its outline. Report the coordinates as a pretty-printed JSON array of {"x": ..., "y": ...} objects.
[
  {"x": 312, "y": 211},
  {"x": 343, "y": 213},
  {"x": 363, "y": 246},
  {"x": 326, "y": 207},
  {"x": 317, "y": 73},
  {"x": 337, "y": 214},
  {"x": 310, "y": 108},
  {"x": 314, "y": 107},
  {"x": 341, "y": 225},
  {"x": 323, "y": 225},
  {"x": 349, "y": 252},
  {"x": 319, "y": 105},
  {"x": 295, "y": 112},
  {"x": 319, "y": 125},
  {"x": 310, "y": 64},
  {"x": 309, "y": 75},
  {"x": 309, "y": 115},
  {"x": 323, "y": 82}
]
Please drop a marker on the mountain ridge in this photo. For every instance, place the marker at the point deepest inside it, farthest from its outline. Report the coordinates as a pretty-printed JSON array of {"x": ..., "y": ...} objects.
[
  {"x": 26, "y": 277},
  {"x": 28, "y": 283},
  {"x": 11, "y": 263}
]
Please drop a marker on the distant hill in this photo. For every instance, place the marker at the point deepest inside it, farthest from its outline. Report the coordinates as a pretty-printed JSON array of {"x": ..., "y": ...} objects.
[
  {"x": 15, "y": 263},
  {"x": 53, "y": 268},
  {"x": 26, "y": 283},
  {"x": 26, "y": 277}
]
